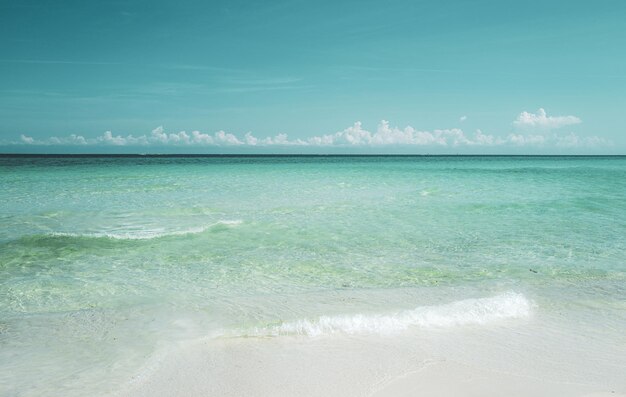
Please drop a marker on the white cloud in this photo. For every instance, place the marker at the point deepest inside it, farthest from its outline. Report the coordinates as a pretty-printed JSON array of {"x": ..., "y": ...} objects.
[
  {"x": 354, "y": 136},
  {"x": 201, "y": 139},
  {"x": 572, "y": 140},
  {"x": 534, "y": 129},
  {"x": 386, "y": 135},
  {"x": 69, "y": 140},
  {"x": 541, "y": 120},
  {"x": 462, "y": 118},
  {"x": 526, "y": 140},
  {"x": 487, "y": 140},
  {"x": 27, "y": 139},
  {"x": 109, "y": 138},
  {"x": 223, "y": 138}
]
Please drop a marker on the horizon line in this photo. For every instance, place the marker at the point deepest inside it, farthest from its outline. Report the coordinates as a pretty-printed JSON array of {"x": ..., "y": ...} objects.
[{"x": 171, "y": 155}]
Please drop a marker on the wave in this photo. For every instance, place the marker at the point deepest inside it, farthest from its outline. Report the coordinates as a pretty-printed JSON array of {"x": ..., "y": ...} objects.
[
  {"x": 509, "y": 305},
  {"x": 148, "y": 235}
]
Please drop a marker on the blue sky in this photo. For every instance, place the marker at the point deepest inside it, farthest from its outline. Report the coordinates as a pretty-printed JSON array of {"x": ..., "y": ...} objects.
[{"x": 302, "y": 76}]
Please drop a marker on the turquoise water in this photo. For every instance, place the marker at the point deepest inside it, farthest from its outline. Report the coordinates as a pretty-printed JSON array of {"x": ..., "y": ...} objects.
[{"x": 104, "y": 261}]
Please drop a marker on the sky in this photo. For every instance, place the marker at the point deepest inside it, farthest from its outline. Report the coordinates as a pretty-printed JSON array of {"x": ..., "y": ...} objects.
[{"x": 423, "y": 77}]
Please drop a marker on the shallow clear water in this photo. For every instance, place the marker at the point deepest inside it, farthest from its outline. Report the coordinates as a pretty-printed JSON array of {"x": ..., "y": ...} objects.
[{"x": 104, "y": 261}]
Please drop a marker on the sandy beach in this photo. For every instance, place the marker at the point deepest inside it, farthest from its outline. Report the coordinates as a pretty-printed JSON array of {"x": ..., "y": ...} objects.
[{"x": 372, "y": 366}]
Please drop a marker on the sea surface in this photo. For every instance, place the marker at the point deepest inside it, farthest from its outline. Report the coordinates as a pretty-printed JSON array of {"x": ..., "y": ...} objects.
[{"x": 107, "y": 261}]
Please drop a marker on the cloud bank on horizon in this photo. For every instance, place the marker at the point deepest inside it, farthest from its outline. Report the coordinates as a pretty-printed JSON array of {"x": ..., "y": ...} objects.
[
  {"x": 530, "y": 129},
  {"x": 541, "y": 120}
]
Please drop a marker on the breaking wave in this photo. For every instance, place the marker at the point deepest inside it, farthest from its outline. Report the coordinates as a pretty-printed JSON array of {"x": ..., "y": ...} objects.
[
  {"x": 149, "y": 235},
  {"x": 509, "y": 305}
]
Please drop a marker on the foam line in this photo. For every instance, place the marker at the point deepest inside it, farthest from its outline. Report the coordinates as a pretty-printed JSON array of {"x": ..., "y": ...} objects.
[
  {"x": 148, "y": 235},
  {"x": 508, "y": 305}
]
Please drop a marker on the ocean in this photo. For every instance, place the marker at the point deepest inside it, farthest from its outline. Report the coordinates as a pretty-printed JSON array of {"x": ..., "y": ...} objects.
[{"x": 109, "y": 263}]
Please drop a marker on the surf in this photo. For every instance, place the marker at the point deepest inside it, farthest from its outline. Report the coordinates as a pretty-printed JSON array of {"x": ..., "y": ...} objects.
[
  {"x": 476, "y": 311},
  {"x": 66, "y": 238},
  {"x": 149, "y": 235}
]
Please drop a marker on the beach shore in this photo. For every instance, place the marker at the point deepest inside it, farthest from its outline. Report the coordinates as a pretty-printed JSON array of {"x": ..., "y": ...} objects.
[
  {"x": 312, "y": 276},
  {"x": 355, "y": 366}
]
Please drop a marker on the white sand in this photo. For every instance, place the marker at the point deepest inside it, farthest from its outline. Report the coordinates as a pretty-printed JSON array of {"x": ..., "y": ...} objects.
[
  {"x": 445, "y": 379},
  {"x": 357, "y": 366}
]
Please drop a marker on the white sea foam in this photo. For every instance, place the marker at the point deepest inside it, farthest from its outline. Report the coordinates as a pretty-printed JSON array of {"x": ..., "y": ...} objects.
[
  {"x": 509, "y": 305},
  {"x": 149, "y": 234}
]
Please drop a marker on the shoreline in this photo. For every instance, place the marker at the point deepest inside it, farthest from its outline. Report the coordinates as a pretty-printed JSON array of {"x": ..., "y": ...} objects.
[{"x": 373, "y": 366}]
